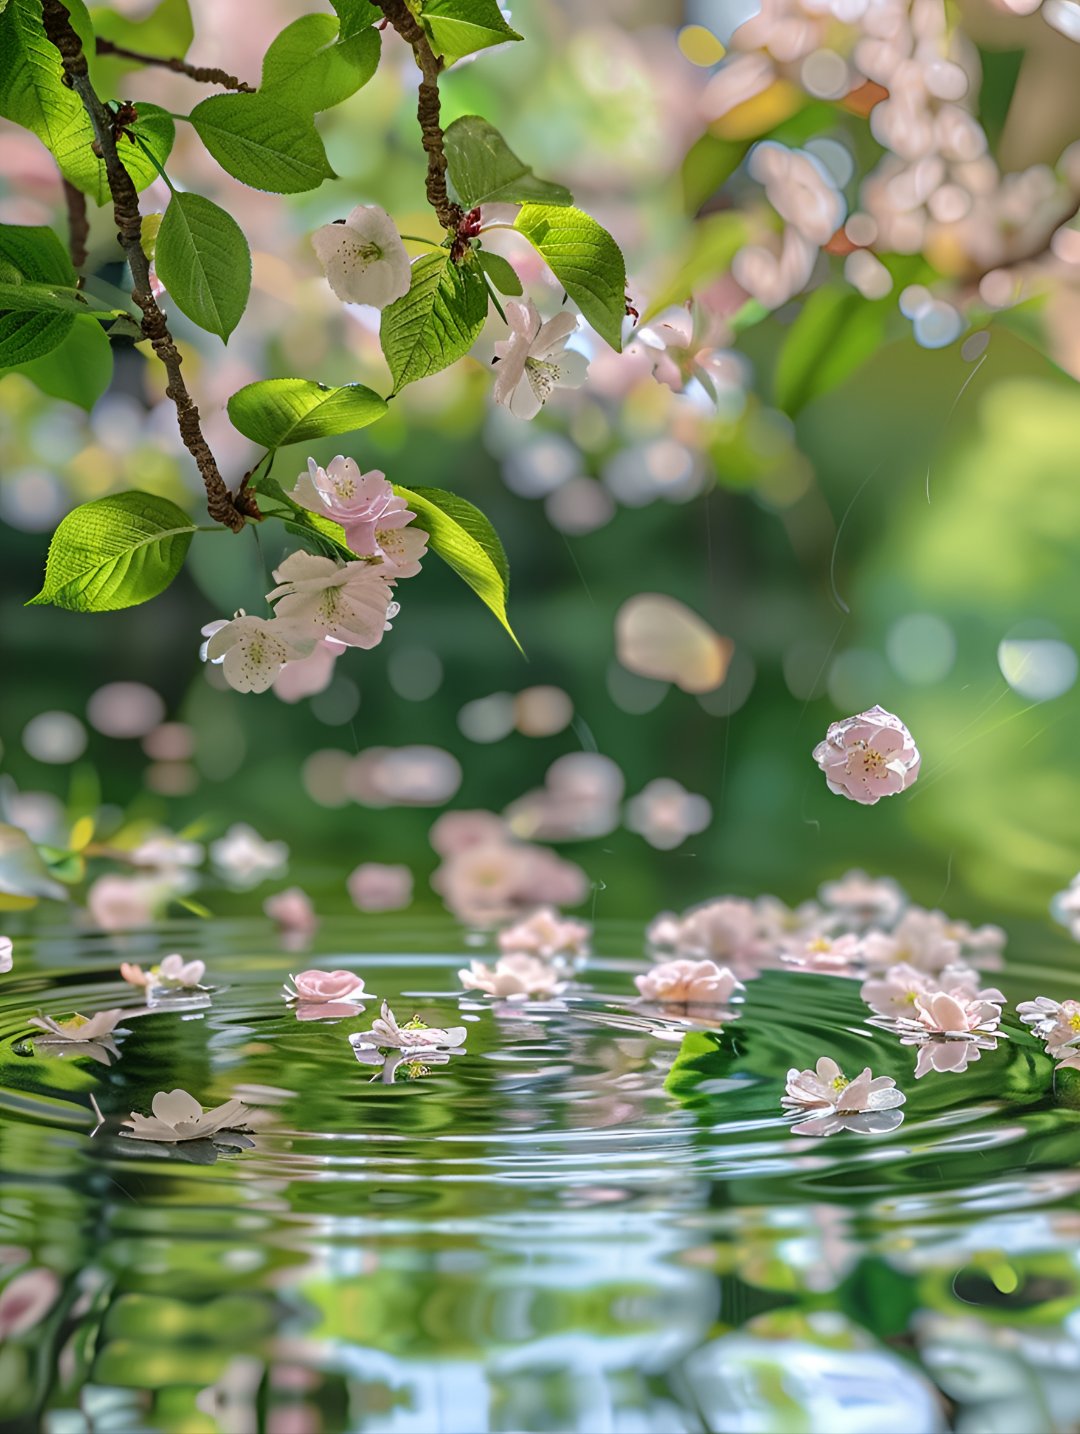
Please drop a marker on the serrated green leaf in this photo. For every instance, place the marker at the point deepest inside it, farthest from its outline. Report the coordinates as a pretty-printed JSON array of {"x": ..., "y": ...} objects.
[
  {"x": 483, "y": 169},
  {"x": 706, "y": 254},
  {"x": 466, "y": 541},
  {"x": 437, "y": 321},
  {"x": 276, "y": 411},
  {"x": 586, "y": 261},
  {"x": 461, "y": 27},
  {"x": 836, "y": 330},
  {"x": 115, "y": 552},
  {"x": 262, "y": 144},
  {"x": 79, "y": 369},
  {"x": 23, "y": 872},
  {"x": 32, "y": 254},
  {"x": 500, "y": 271},
  {"x": 202, "y": 258},
  {"x": 81, "y": 167},
  {"x": 309, "y": 67}
]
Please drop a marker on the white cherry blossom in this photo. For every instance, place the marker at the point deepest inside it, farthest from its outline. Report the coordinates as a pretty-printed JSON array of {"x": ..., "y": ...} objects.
[
  {"x": 178, "y": 1116},
  {"x": 533, "y": 361},
  {"x": 253, "y": 650},
  {"x": 324, "y": 598},
  {"x": 78, "y": 1029},
  {"x": 244, "y": 858},
  {"x": 363, "y": 257},
  {"x": 515, "y": 977},
  {"x": 829, "y": 1102}
]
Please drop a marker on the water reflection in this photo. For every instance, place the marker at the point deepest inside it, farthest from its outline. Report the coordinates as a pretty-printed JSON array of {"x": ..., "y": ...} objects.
[{"x": 587, "y": 1215}]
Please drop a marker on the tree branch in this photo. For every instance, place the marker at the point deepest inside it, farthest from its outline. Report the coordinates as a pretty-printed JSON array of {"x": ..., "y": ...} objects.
[
  {"x": 58, "y": 29},
  {"x": 405, "y": 23},
  {"x": 207, "y": 75},
  {"x": 78, "y": 223}
]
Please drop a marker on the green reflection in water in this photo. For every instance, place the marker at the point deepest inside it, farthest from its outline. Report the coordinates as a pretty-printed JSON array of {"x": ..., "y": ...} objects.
[{"x": 587, "y": 1221}]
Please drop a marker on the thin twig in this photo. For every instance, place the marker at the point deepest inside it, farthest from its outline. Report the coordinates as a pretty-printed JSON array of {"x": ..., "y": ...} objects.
[
  {"x": 405, "y": 23},
  {"x": 205, "y": 74},
  {"x": 78, "y": 223},
  {"x": 58, "y": 28}
]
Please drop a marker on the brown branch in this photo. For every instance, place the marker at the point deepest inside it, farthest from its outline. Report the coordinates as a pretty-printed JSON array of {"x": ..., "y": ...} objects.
[
  {"x": 78, "y": 223},
  {"x": 206, "y": 74},
  {"x": 405, "y": 23},
  {"x": 58, "y": 28}
]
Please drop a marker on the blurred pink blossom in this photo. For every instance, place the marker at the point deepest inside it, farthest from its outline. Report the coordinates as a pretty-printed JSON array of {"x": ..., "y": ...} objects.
[{"x": 375, "y": 886}]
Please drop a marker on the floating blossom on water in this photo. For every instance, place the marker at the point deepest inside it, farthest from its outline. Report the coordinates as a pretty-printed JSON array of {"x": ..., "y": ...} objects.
[
  {"x": 919, "y": 939},
  {"x": 253, "y": 650},
  {"x": 134, "y": 975},
  {"x": 665, "y": 814},
  {"x": 363, "y": 257},
  {"x": 533, "y": 361},
  {"x": 179, "y": 974},
  {"x": 25, "y": 1301},
  {"x": 375, "y": 886},
  {"x": 945, "y": 1055},
  {"x": 869, "y": 756},
  {"x": 864, "y": 900},
  {"x": 725, "y": 931},
  {"x": 830, "y": 1102},
  {"x": 895, "y": 993},
  {"x": 1057, "y": 1023},
  {"x": 78, "y": 1029},
  {"x": 6, "y": 957},
  {"x": 513, "y": 978},
  {"x": 689, "y": 983},
  {"x": 941, "y": 1013},
  {"x": 317, "y": 986},
  {"x": 244, "y": 859},
  {"x": 826, "y": 955},
  {"x": 292, "y": 911},
  {"x": 500, "y": 880},
  {"x": 178, "y": 1116},
  {"x": 324, "y": 598},
  {"x": 415, "y": 1044},
  {"x": 365, "y": 505},
  {"x": 547, "y": 935},
  {"x": 455, "y": 832}
]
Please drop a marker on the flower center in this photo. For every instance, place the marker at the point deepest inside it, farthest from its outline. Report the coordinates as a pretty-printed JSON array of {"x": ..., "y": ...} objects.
[
  {"x": 344, "y": 487},
  {"x": 415, "y": 1069},
  {"x": 840, "y": 1082},
  {"x": 416, "y": 1024},
  {"x": 819, "y": 943},
  {"x": 369, "y": 252},
  {"x": 543, "y": 377},
  {"x": 1074, "y": 1020}
]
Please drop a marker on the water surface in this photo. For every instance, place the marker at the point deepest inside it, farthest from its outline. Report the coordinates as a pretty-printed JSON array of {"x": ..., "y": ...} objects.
[{"x": 590, "y": 1220}]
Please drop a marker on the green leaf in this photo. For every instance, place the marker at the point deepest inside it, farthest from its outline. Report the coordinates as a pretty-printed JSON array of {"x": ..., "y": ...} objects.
[
  {"x": 500, "y": 271},
  {"x": 26, "y": 296},
  {"x": 276, "y": 411},
  {"x": 262, "y": 144},
  {"x": 356, "y": 15},
  {"x": 461, "y": 27},
  {"x": 484, "y": 169},
  {"x": 706, "y": 254},
  {"x": 32, "y": 92},
  {"x": 202, "y": 258},
  {"x": 115, "y": 552},
  {"x": 437, "y": 321},
  {"x": 309, "y": 68},
  {"x": 33, "y": 258},
  {"x": 23, "y": 871},
  {"x": 74, "y": 154},
  {"x": 466, "y": 541},
  {"x": 79, "y": 369},
  {"x": 708, "y": 163},
  {"x": 837, "y": 329},
  {"x": 166, "y": 31},
  {"x": 586, "y": 261}
]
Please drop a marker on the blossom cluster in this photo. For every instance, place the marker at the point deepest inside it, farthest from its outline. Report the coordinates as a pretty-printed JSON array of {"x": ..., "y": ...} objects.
[
  {"x": 323, "y": 605},
  {"x": 936, "y": 190}
]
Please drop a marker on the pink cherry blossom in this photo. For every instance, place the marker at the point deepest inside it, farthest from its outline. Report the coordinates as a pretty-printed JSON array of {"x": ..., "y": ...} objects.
[
  {"x": 515, "y": 977},
  {"x": 547, "y": 935},
  {"x": 725, "y": 931},
  {"x": 689, "y": 983},
  {"x": 363, "y": 503},
  {"x": 457, "y": 831},
  {"x": 293, "y": 911},
  {"x": 864, "y": 900},
  {"x": 830, "y": 1102},
  {"x": 919, "y": 939},
  {"x": 825, "y": 955},
  {"x": 175, "y": 971},
  {"x": 316, "y": 986},
  {"x": 374, "y": 886},
  {"x": 940, "y": 1013},
  {"x": 869, "y": 756}
]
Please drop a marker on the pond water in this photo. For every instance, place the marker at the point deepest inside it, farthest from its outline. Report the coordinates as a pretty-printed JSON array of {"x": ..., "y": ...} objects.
[{"x": 592, "y": 1219}]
